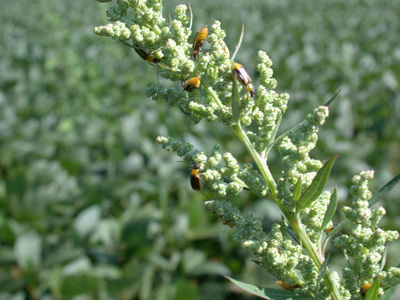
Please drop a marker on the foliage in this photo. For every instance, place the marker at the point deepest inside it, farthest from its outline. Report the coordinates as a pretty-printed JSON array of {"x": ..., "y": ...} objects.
[{"x": 90, "y": 207}]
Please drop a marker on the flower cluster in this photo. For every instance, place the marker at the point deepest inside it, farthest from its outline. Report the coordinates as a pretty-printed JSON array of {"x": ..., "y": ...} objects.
[
  {"x": 219, "y": 171},
  {"x": 365, "y": 242}
]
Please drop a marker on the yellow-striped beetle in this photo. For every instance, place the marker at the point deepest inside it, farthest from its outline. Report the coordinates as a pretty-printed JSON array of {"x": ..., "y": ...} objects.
[
  {"x": 146, "y": 55},
  {"x": 191, "y": 84},
  {"x": 199, "y": 40},
  {"x": 195, "y": 180},
  {"x": 244, "y": 78}
]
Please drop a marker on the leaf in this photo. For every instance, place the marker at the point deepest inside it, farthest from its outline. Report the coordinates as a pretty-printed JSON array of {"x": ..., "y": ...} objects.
[
  {"x": 316, "y": 187},
  {"x": 186, "y": 290},
  {"x": 383, "y": 260},
  {"x": 74, "y": 285},
  {"x": 265, "y": 293},
  {"x": 390, "y": 293},
  {"x": 333, "y": 98},
  {"x": 257, "y": 262},
  {"x": 385, "y": 189},
  {"x": 330, "y": 211},
  {"x": 372, "y": 293},
  {"x": 323, "y": 269},
  {"x": 275, "y": 132},
  {"x": 238, "y": 44},
  {"x": 191, "y": 16},
  {"x": 290, "y": 230},
  {"x": 297, "y": 190},
  {"x": 79, "y": 265},
  {"x": 6, "y": 233},
  {"x": 28, "y": 250},
  {"x": 255, "y": 107},
  {"x": 235, "y": 100},
  {"x": 87, "y": 220}
]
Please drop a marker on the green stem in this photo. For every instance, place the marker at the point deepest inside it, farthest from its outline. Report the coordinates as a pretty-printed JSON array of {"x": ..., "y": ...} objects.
[
  {"x": 213, "y": 94},
  {"x": 262, "y": 166},
  {"x": 282, "y": 136},
  {"x": 294, "y": 221},
  {"x": 313, "y": 252}
]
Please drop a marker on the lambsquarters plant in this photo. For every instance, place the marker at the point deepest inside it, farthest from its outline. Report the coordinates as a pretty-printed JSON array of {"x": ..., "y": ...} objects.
[{"x": 219, "y": 89}]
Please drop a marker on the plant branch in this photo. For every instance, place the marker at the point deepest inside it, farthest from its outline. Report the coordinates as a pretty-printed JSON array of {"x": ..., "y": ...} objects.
[{"x": 293, "y": 221}]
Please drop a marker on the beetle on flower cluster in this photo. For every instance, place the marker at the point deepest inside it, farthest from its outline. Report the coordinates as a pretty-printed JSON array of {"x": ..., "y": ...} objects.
[{"x": 215, "y": 87}]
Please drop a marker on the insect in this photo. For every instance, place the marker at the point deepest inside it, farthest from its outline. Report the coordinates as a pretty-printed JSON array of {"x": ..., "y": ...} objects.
[
  {"x": 244, "y": 78},
  {"x": 287, "y": 286},
  {"x": 199, "y": 40},
  {"x": 329, "y": 229},
  {"x": 364, "y": 288},
  {"x": 191, "y": 84},
  {"x": 229, "y": 223},
  {"x": 146, "y": 55},
  {"x": 195, "y": 180}
]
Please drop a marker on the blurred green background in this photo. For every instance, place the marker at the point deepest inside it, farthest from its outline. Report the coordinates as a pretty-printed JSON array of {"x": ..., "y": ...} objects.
[{"x": 92, "y": 208}]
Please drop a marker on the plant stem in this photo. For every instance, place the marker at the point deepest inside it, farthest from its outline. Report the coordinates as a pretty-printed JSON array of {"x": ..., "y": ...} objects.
[
  {"x": 293, "y": 220},
  {"x": 258, "y": 160},
  {"x": 213, "y": 94},
  {"x": 312, "y": 251}
]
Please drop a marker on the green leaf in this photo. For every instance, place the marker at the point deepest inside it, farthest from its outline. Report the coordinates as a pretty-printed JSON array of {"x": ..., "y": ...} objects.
[
  {"x": 186, "y": 290},
  {"x": 372, "y": 293},
  {"x": 316, "y": 187},
  {"x": 28, "y": 250},
  {"x": 297, "y": 190},
  {"x": 87, "y": 220},
  {"x": 270, "y": 294},
  {"x": 6, "y": 233},
  {"x": 384, "y": 190},
  {"x": 74, "y": 285},
  {"x": 254, "y": 109},
  {"x": 383, "y": 260},
  {"x": 191, "y": 16},
  {"x": 333, "y": 98},
  {"x": 290, "y": 230},
  {"x": 238, "y": 44},
  {"x": 235, "y": 100},
  {"x": 323, "y": 269},
  {"x": 330, "y": 211},
  {"x": 390, "y": 293}
]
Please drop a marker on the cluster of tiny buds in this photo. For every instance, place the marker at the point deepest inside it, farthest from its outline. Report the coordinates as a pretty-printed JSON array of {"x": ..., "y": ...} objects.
[
  {"x": 207, "y": 89},
  {"x": 219, "y": 171},
  {"x": 276, "y": 253},
  {"x": 294, "y": 149},
  {"x": 365, "y": 242},
  {"x": 284, "y": 260},
  {"x": 312, "y": 217}
]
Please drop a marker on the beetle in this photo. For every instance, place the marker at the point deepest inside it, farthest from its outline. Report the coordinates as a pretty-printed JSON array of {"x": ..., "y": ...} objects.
[
  {"x": 287, "y": 286},
  {"x": 191, "y": 84},
  {"x": 146, "y": 55},
  {"x": 199, "y": 40},
  {"x": 329, "y": 229},
  {"x": 195, "y": 180},
  {"x": 364, "y": 288},
  {"x": 244, "y": 78}
]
